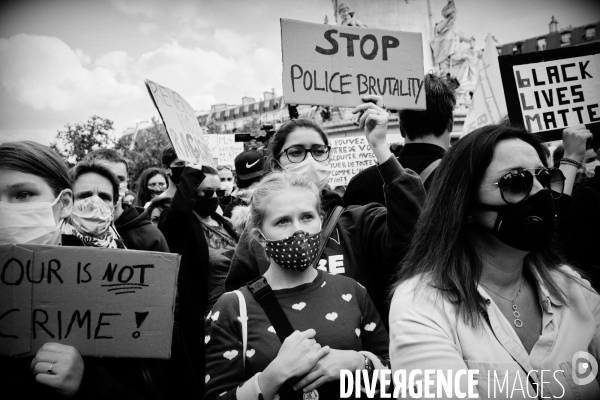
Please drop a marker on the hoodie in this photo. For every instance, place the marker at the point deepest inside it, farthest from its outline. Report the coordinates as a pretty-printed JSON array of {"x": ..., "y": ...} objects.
[{"x": 137, "y": 231}]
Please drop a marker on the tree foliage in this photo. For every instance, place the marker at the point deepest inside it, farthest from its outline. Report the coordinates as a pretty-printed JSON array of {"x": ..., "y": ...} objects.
[
  {"x": 77, "y": 140},
  {"x": 147, "y": 149}
]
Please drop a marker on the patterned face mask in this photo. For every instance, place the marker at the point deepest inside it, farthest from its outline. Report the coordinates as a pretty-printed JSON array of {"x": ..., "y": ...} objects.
[{"x": 296, "y": 252}]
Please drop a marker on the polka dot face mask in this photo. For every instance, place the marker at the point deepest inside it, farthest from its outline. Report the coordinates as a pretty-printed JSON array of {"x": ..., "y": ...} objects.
[{"x": 296, "y": 252}]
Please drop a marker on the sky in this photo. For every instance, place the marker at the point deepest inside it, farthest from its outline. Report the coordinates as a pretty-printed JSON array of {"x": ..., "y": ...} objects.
[{"x": 62, "y": 61}]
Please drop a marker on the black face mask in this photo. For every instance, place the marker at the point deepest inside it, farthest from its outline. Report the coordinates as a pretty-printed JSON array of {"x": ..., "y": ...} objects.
[
  {"x": 176, "y": 174},
  {"x": 528, "y": 225},
  {"x": 206, "y": 206}
]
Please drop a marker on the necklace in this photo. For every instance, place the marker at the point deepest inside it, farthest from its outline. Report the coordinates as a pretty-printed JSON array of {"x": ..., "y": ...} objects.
[{"x": 518, "y": 323}]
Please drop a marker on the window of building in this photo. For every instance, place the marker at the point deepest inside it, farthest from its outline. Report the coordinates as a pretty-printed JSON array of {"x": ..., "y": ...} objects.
[
  {"x": 517, "y": 48},
  {"x": 541, "y": 44},
  {"x": 590, "y": 33},
  {"x": 565, "y": 38}
]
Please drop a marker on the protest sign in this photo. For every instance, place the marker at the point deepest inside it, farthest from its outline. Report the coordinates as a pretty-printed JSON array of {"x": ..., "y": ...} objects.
[
  {"x": 488, "y": 105},
  {"x": 181, "y": 125},
  {"x": 551, "y": 90},
  {"x": 350, "y": 155},
  {"x": 104, "y": 302},
  {"x": 337, "y": 65},
  {"x": 224, "y": 148}
]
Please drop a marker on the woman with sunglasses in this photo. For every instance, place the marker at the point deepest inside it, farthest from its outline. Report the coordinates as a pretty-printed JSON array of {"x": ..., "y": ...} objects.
[
  {"x": 367, "y": 242},
  {"x": 483, "y": 286}
]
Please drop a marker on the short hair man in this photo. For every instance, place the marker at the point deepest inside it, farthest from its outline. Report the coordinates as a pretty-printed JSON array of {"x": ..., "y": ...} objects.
[
  {"x": 131, "y": 223},
  {"x": 173, "y": 167},
  {"x": 249, "y": 168},
  {"x": 426, "y": 140}
]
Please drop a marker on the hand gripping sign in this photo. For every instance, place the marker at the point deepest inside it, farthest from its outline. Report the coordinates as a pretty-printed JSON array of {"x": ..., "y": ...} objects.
[
  {"x": 181, "y": 124},
  {"x": 338, "y": 65},
  {"x": 104, "y": 302}
]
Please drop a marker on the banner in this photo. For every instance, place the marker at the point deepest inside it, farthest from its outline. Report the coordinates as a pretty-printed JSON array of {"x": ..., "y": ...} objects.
[
  {"x": 350, "y": 155},
  {"x": 181, "y": 124},
  {"x": 551, "y": 90},
  {"x": 488, "y": 105},
  {"x": 224, "y": 148},
  {"x": 104, "y": 302},
  {"x": 334, "y": 65}
]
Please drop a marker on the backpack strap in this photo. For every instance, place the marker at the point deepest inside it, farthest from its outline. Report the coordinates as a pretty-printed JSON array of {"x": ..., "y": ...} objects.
[
  {"x": 244, "y": 318},
  {"x": 262, "y": 292},
  {"x": 430, "y": 168},
  {"x": 328, "y": 229}
]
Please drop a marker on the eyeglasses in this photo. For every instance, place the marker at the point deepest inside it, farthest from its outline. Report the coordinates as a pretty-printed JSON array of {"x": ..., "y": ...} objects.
[
  {"x": 516, "y": 186},
  {"x": 297, "y": 153},
  {"x": 157, "y": 184},
  {"x": 211, "y": 192}
]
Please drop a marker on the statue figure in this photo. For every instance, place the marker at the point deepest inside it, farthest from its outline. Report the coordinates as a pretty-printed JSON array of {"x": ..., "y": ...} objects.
[
  {"x": 347, "y": 15},
  {"x": 453, "y": 52}
]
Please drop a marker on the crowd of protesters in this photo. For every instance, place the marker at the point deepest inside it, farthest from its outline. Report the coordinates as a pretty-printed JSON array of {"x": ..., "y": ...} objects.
[{"x": 477, "y": 255}]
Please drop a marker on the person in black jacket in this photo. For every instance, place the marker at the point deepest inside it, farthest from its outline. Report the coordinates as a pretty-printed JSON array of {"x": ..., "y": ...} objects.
[
  {"x": 132, "y": 223},
  {"x": 427, "y": 138},
  {"x": 368, "y": 241},
  {"x": 184, "y": 231}
]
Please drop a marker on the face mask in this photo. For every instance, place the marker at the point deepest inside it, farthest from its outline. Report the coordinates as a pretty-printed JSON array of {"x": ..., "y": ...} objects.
[
  {"x": 91, "y": 216},
  {"x": 527, "y": 225},
  {"x": 206, "y": 206},
  {"x": 228, "y": 187},
  {"x": 296, "y": 252},
  {"x": 122, "y": 190},
  {"x": 176, "y": 174},
  {"x": 317, "y": 172},
  {"x": 29, "y": 223}
]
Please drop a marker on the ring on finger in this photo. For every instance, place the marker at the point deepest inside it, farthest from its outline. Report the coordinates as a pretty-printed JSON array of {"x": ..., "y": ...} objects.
[
  {"x": 378, "y": 112},
  {"x": 50, "y": 369}
]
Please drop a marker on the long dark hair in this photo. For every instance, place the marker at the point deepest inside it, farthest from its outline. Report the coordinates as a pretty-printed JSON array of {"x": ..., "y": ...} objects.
[
  {"x": 36, "y": 159},
  {"x": 278, "y": 140},
  {"x": 144, "y": 194},
  {"x": 443, "y": 246}
]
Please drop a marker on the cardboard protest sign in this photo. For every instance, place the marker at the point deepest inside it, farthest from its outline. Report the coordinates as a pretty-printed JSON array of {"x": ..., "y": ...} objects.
[
  {"x": 551, "y": 90},
  {"x": 104, "y": 302},
  {"x": 488, "y": 105},
  {"x": 336, "y": 65},
  {"x": 350, "y": 155},
  {"x": 224, "y": 148},
  {"x": 181, "y": 125}
]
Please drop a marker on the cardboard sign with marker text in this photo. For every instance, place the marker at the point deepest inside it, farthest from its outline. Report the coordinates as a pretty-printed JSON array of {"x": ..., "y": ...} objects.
[
  {"x": 551, "y": 90},
  {"x": 104, "y": 302},
  {"x": 337, "y": 65},
  {"x": 181, "y": 125}
]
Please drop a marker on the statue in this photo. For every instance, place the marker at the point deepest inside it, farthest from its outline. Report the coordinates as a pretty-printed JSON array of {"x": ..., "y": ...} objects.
[
  {"x": 453, "y": 52},
  {"x": 347, "y": 15}
]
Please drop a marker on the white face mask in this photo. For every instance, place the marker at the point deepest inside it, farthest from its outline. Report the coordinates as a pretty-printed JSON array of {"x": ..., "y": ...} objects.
[
  {"x": 91, "y": 216},
  {"x": 122, "y": 190},
  {"x": 228, "y": 187},
  {"x": 317, "y": 171},
  {"x": 29, "y": 223}
]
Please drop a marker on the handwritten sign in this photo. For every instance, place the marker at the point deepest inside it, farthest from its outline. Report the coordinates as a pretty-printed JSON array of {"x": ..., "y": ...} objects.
[
  {"x": 552, "y": 90},
  {"x": 351, "y": 155},
  {"x": 114, "y": 303},
  {"x": 224, "y": 148},
  {"x": 337, "y": 65},
  {"x": 181, "y": 125}
]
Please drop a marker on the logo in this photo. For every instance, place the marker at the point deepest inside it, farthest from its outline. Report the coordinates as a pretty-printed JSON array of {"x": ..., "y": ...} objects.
[
  {"x": 253, "y": 164},
  {"x": 585, "y": 368}
]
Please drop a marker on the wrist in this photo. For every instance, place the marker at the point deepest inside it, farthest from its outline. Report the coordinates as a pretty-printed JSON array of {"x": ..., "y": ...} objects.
[
  {"x": 274, "y": 374},
  {"x": 578, "y": 157},
  {"x": 572, "y": 162}
]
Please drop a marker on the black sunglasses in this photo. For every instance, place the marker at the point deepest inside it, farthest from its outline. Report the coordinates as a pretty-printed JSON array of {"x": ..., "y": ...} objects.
[
  {"x": 297, "y": 153},
  {"x": 211, "y": 192},
  {"x": 516, "y": 185}
]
